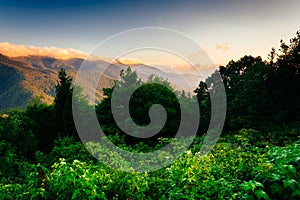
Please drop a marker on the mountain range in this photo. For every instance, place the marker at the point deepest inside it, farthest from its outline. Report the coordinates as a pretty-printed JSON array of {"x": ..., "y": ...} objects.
[{"x": 24, "y": 77}]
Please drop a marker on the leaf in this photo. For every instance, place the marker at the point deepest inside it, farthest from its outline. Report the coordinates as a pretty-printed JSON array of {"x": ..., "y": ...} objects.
[
  {"x": 296, "y": 193},
  {"x": 275, "y": 177},
  {"x": 248, "y": 197},
  {"x": 75, "y": 194},
  {"x": 258, "y": 184},
  {"x": 88, "y": 192},
  {"x": 289, "y": 183},
  {"x": 260, "y": 194},
  {"x": 241, "y": 166},
  {"x": 292, "y": 169},
  {"x": 276, "y": 188},
  {"x": 251, "y": 185}
]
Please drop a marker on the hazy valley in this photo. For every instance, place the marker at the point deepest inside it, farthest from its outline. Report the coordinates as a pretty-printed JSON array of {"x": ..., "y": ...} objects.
[{"x": 28, "y": 76}]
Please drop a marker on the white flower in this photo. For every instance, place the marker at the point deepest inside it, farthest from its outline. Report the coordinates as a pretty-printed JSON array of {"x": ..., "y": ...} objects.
[{"x": 62, "y": 161}]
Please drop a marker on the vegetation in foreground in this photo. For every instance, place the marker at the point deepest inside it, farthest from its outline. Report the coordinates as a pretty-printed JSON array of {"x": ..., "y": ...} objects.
[
  {"x": 257, "y": 157},
  {"x": 235, "y": 170}
]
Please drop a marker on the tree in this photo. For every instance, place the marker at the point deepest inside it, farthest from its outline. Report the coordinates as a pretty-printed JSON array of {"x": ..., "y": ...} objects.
[
  {"x": 63, "y": 104},
  {"x": 155, "y": 91},
  {"x": 203, "y": 99},
  {"x": 284, "y": 83},
  {"x": 40, "y": 113},
  {"x": 16, "y": 129},
  {"x": 261, "y": 95}
]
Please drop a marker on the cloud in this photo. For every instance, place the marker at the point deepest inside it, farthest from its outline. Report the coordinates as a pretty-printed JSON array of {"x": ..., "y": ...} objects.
[
  {"x": 12, "y": 50},
  {"x": 196, "y": 54},
  {"x": 222, "y": 47},
  {"x": 203, "y": 69},
  {"x": 129, "y": 61},
  {"x": 182, "y": 67}
]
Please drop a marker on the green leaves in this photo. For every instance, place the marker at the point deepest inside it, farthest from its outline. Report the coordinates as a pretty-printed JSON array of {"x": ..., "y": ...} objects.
[
  {"x": 254, "y": 189},
  {"x": 251, "y": 185},
  {"x": 289, "y": 183},
  {"x": 276, "y": 188},
  {"x": 226, "y": 173},
  {"x": 292, "y": 169},
  {"x": 260, "y": 194}
]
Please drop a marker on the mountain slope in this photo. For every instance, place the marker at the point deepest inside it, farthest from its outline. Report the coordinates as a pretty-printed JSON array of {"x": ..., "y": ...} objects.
[
  {"x": 22, "y": 78},
  {"x": 11, "y": 92},
  {"x": 19, "y": 82}
]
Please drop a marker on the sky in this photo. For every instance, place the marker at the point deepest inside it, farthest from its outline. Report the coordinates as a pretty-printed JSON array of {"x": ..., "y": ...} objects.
[{"x": 225, "y": 29}]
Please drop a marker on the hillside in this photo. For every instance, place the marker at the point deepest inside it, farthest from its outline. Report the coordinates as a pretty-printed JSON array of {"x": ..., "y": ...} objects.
[{"x": 27, "y": 76}]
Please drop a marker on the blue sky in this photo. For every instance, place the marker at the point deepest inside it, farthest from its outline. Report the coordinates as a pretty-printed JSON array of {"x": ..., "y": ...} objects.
[{"x": 226, "y": 29}]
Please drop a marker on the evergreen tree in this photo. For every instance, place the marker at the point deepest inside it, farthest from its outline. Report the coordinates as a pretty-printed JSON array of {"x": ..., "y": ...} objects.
[{"x": 63, "y": 104}]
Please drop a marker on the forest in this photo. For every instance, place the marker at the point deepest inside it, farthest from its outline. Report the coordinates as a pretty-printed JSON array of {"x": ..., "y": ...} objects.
[{"x": 256, "y": 157}]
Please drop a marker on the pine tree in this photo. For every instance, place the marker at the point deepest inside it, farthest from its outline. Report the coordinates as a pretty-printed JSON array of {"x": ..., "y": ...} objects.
[{"x": 63, "y": 104}]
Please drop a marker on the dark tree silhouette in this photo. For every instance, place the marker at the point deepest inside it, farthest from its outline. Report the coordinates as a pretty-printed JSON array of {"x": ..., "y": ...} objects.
[
  {"x": 147, "y": 94},
  {"x": 63, "y": 104},
  {"x": 263, "y": 95}
]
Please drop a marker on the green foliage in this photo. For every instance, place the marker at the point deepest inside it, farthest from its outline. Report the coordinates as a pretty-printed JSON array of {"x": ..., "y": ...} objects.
[
  {"x": 76, "y": 180},
  {"x": 16, "y": 129},
  {"x": 43, "y": 123},
  {"x": 10, "y": 88},
  {"x": 8, "y": 159},
  {"x": 67, "y": 148},
  {"x": 260, "y": 95},
  {"x": 282, "y": 177},
  {"x": 227, "y": 172},
  {"x": 258, "y": 158},
  {"x": 155, "y": 91}
]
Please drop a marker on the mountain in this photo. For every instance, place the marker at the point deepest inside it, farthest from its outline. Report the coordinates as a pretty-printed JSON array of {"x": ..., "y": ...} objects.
[
  {"x": 21, "y": 81},
  {"x": 24, "y": 77},
  {"x": 181, "y": 81}
]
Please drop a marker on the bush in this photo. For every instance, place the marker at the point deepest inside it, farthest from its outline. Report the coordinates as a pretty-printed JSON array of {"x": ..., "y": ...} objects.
[
  {"x": 67, "y": 148},
  {"x": 8, "y": 158}
]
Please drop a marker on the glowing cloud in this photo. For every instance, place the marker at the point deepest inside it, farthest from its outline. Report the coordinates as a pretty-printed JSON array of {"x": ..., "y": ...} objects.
[
  {"x": 129, "y": 61},
  {"x": 203, "y": 69},
  {"x": 222, "y": 47},
  {"x": 12, "y": 50}
]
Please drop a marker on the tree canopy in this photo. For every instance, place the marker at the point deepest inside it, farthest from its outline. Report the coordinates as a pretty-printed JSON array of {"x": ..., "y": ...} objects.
[{"x": 263, "y": 95}]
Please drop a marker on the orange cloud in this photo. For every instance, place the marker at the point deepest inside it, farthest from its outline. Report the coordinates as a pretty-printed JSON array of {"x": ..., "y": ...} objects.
[
  {"x": 222, "y": 47},
  {"x": 203, "y": 69},
  {"x": 182, "y": 67},
  {"x": 129, "y": 61},
  {"x": 12, "y": 50}
]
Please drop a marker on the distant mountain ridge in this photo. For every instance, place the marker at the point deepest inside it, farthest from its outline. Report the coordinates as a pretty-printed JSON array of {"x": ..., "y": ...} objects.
[{"x": 22, "y": 78}]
